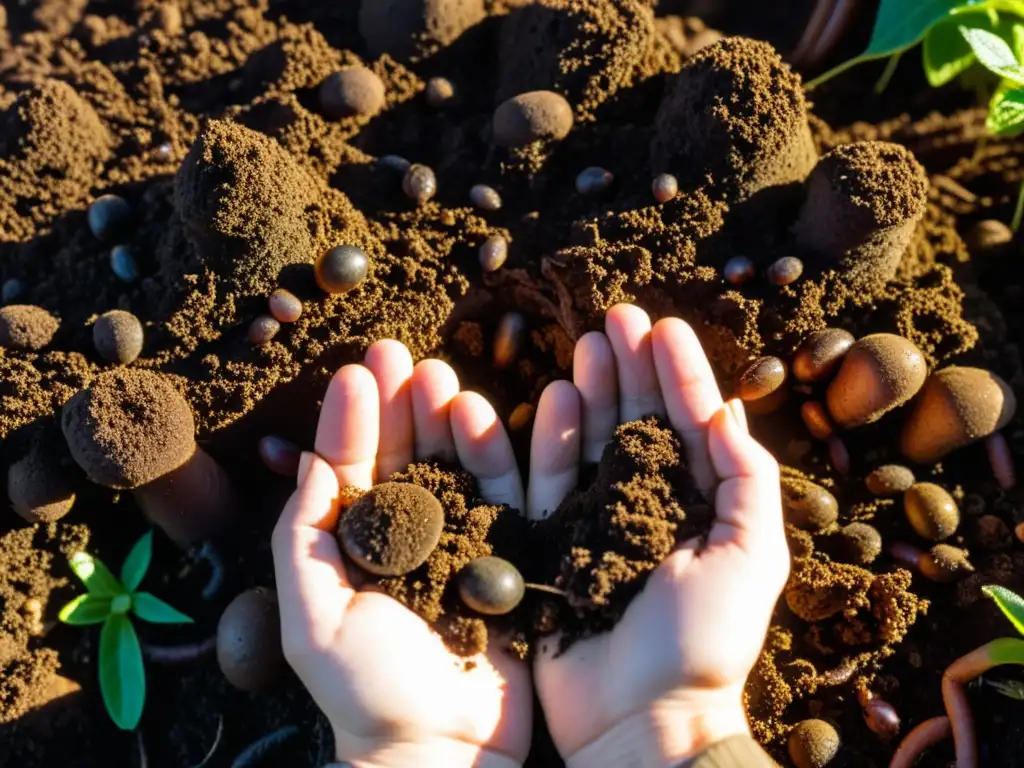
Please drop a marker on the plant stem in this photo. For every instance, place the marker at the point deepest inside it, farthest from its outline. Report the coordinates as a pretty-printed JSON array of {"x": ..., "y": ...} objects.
[
  {"x": 216, "y": 743},
  {"x": 179, "y": 654},
  {"x": 890, "y": 70},
  {"x": 1005, "y": 650},
  {"x": 918, "y": 740},
  {"x": 1018, "y": 212},
  {"x": 259, "y": 748},
  {"x": 546, "y": 588}
]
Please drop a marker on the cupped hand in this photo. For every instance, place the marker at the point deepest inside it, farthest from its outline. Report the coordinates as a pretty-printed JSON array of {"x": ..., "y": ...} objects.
[
  {"x": 392, "y": 691},
  {"x": 668, "y": 679}
]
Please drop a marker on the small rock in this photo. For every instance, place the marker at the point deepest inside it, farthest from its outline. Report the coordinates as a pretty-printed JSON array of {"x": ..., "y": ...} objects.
[
  {"x": 813, "y": 744},
  {"x": 491, "y": 586},
  {"x": 485, "y": 198},
  {"x": 508, "y": 338},
  {"x": 419, "y": 183},
  {"x": 889, "y": 480},
  {"x": 816, "y": 420},
  {"x": 945, "y": 563},
  {"x": 122, "y": 263},
  {"x": 263, "y": 329},
  {"x": 807, "y": 505},
  {"x": 118, "y": 336},
  {"x": 931, "y": 511},
  {"x": 664, "y": 187},
  {"x": 279, "y": 455},
  {"x": 987, "y": 235},
  {"x": 838, "y": 455},
  {"x": 27, "y": 327},
  {"x": 493, "y": 253},
  {"x": 352, "y": 91},
  {"x": 860, "y": 543},
  {"x": 440, "y": 92},
  {"x": 738, "y": 270},
  {"x": 521, "y": 416},
  {"x": 11, "y": 291},
  {"x": 530, "y": 117},
  {"x": 820, "y": 354},
  {"x": 594, "y": 180},
  {"x": 110, "y": 218},
  {"x": 993, "y": 533},
  {"x": 285, "y": 306},
  {"x": 341, "y": 269},
  {"x": 761, "y": 378},
  {"x": 785, "y": 271}
]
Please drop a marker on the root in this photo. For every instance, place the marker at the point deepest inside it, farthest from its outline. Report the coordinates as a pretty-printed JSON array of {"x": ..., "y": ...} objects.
[{"x": 259, "y": 748}]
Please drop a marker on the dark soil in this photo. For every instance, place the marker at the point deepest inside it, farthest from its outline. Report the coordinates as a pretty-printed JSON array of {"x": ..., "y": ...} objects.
[{"x": 204, "y": 116}]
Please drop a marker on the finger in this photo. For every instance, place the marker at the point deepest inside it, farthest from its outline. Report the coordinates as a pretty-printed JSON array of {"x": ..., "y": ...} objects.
[
  {"x": 554, "y": 449},
  {"x": 434, "y": 385},
  {"x": 748, "y": 503},
  {"x": 346, "y": 436},
  {"x": 484, "y": 450},
  {"x": 629, "y": 331},
  {"x": 736, "y": 406},
  {"x": 313, "y": 590},
  {"x": 391, "y": 365},
  {"x": 690, "y": 390},
  {"x": 593, "y": 372}
]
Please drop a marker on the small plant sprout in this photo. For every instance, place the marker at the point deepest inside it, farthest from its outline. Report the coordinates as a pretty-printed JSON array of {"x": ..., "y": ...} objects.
[
  {"x": 1003, "y": 650},
  {"x": 110, "y": 601}
]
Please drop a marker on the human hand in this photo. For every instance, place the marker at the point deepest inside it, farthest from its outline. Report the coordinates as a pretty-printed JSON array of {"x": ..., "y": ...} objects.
[
  {"x": 667, "y": 681},
  {"x": 394, "y": 694}
]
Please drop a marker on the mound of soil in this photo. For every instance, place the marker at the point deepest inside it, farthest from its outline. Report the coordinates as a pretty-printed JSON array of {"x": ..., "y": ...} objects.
[{"x": 204, "y": 116}]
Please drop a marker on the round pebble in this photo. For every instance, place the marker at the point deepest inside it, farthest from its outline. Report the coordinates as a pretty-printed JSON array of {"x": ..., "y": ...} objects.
[
  {"x": 820, "y": 354},
  {"x": 395, "y": 163},
  {"x": 263, "y": 329},
  {"x": 931, "y": 511},
  {"x": 392, "y": 528},
  {"x": 118, "y": 336},
  {"x": 27, "y": 327},
  {"x": 491, "y": 586},
  {"x": 279, "y": 455},
  {"x": 594, "y": 180},
  {"x": 761, "y": 378},
  {"x": 813, "y": 744},
  {"x": 508, "y": 338},
  {"x": 785, "y": 270},
  {"x": 485, "y": 198},
  {"x": 882, "y": 719},
  {"x": 419, "y": 183},
  {"x": 986, "y": 235},
  {"x": 807, "y": 505},
  {"x": 11, "y": 291},
  {"x": 122, "y": 263},
  {"x": 341, "y": 269},
  {"x": 816, "y": 420},
  {"x": 493, "y": 253},
  {"x": 889, "y": 480},
  {"x": 664, "y": 187},
  {"x": 285, "y": 306},
  {"x": 352, "y": 91},
  {"x": 249, "y": 649},
  {"x": 738, "y": 270},
  {"x": 530, "y": 117},
  {"x": 440, "y": 92},
  {"x": 860, "y": 543},
  {"x": 945, "y": 563},
  {"x": 110, "y": 218}
]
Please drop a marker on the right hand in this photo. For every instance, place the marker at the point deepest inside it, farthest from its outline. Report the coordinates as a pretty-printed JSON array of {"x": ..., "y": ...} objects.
[{"x": 667, "y": 681}]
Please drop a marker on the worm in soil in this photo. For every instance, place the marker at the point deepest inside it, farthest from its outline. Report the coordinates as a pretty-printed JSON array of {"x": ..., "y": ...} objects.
[
  {"x": 179, "y": 654},
  {"x": 216, "y": 743},
  {"x": 925, "y": 735},
  {"x": 256, "y": 751}
]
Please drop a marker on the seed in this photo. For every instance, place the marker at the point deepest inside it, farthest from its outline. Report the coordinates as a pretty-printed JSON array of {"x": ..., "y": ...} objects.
[
  {"x": 807, "y": 505},
  {"x": 484, "y": 197},
  {"x": 395, "y": 163},
  {"x": 110, "y": 218},
  {"x": 279, "y": 455},
  {"x": 285, "y": 306},
  {"x": 419, "y": 183},
  {"x": 122, "y": 263},
  {"x": 785, "y": 271},
  {"x": 521, "y": 416},
  {"x": 889, "y": 480},
  {"x": 838, "y": 455},
  {"x": 813, "y": 744},
  {"x": 860, "y": 543},
  {"x": 987, "y": 234},
  {"x": 118, "y": 336},
  {"x": 352, "y": 91},
  {"x": 944, "y": 563},
  {"x": 879, "y": 372},
  {"x": 931, "y": 511},
  {"x": 491, "y": 585},
  {"x": 508, "y": 338},
  {"x": 816, "y": 420},
  {"x": 738, "y": 270},
  {"x": 493, "y": 253},
  {"x": 881, "y": 717},
  {"x": 593, "y": 180},
  {"x": 341, "y": 269},
  {"x": 164, "y": 152},
  {"x": 664, "y": 187},
  {"x": 440, "y": 92},
  {"x": 820, "y": 354},
  {"x": 263, "y": 329},
  {"x": 12, "y": 289},
  {"x": 761, "y": 378},
  {"x": 1001, "y": 461}
]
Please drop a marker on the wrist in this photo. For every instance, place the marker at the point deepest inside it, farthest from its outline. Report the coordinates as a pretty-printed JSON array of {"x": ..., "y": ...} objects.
[
  {"x": 664, "y": 735},
  {"x": 428, "y": 753}
]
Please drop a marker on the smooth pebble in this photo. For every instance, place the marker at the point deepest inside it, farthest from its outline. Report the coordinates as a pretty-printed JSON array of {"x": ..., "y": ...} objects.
[
  {"x": 285, "y": 306},
  {"x": 419, "y": 183},
  {"x": 341, "y": 269},
  {"x": 785, "y": 270},
  {"x": 122, "y": 263},
  {"x": 738, "y": 270},
  {"x": 263, "y": 329},
  {"x": 664, "y": 187},
  {"x": 493, "y": 253},
  {"x": 484, "y": 197},
  {"x": 594, "y": 180}
]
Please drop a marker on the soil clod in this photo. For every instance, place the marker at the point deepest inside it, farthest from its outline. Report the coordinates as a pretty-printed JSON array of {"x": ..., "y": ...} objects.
[
  {"x": 813, "y": 744},
  {"x": 26, "y": 327}
]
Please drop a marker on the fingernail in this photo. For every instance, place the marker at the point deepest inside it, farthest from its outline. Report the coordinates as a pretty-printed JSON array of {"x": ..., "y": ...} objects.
[
  {"x": 305, "y": 464},
  {"x": 738, "y": 413}
]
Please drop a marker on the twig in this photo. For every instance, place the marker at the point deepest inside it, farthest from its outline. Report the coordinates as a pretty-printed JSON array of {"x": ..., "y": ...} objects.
[
  {"x": 216, "y": 743},
  {"x": 179, "y": 654},
  {"x": 918, "y": 740},
  {"x": 259, "y": 748}
]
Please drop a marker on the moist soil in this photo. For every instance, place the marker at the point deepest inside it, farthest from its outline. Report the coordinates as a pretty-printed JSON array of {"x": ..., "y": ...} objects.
[{"x": 204, "y": 116}]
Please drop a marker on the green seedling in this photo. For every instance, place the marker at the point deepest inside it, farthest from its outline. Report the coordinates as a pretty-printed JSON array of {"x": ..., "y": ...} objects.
[
  {"x": 110, "y": 601},
  {"x": 998, "y": 652}
]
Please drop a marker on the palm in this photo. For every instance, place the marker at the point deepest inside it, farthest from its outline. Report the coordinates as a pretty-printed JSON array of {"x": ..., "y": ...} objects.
[{"x": 382, "y": 676}]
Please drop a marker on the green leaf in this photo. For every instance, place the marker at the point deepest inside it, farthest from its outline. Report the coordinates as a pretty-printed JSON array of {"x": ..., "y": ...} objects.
[
  {"x": 1017, "y": 36},
  {"x": 1006, "y": 112},
  {"x": 946, "y": 53},
  {"x": 137, "y": 562},
  {"x": 154, "y": 610},
  {"x": 85, "y": 609},
  {"x": 95, "y": 575},
  {"x": 994, "y": 53},
  {"x": 122, "y": 678},
  {"x": 1010, "y": 603}
]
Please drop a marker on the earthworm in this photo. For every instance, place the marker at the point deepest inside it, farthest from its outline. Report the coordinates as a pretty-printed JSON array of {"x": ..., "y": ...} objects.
[
  {"x": 834, "y": 30},
  {"x": 180, "y": 654},
  {"x": 924, "y": 735},
  {"x": 252, "y": 754},
  {"x": 819, "y": 17},
  {"x": 1001, "y": 460},
  {"x": 216, "y": 743},
  {"x": 211, "y": 556}
]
